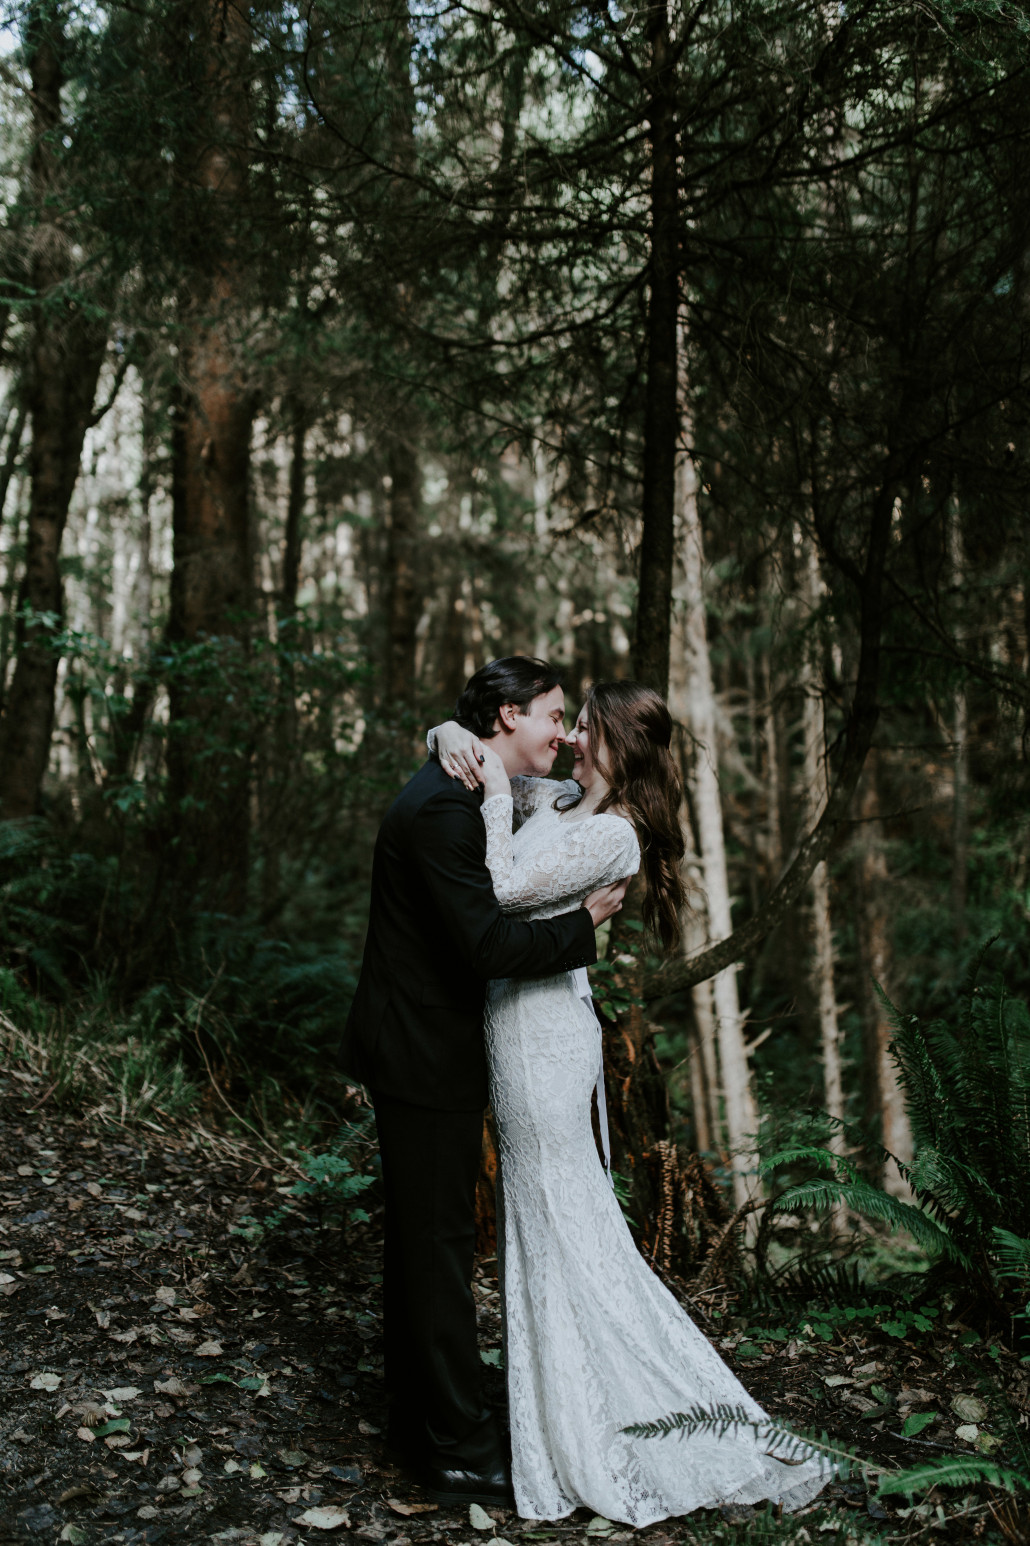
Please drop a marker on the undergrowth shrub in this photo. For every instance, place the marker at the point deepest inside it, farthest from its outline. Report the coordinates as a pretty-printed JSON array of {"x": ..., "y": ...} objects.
[{"x": 967, "y": 1091}]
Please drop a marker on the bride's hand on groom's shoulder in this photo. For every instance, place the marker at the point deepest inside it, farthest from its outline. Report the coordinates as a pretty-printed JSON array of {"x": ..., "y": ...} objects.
[{"x": 459, "y": 752}]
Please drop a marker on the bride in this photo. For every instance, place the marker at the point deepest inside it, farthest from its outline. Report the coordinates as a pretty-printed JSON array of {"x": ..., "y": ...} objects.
[{"x": 594, "y": 1342}]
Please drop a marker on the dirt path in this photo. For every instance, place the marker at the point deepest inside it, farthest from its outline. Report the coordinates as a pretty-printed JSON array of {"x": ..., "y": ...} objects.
[{"x": 165, "y": 1379}]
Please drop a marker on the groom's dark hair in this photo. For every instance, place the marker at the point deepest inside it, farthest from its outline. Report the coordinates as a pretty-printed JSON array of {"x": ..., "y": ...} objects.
[{"x": 516, "y": 679}]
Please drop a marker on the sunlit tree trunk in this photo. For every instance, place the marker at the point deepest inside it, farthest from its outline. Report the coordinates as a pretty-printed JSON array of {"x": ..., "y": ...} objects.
[
  {"x": 211, "y": 591},
  {"x": 739, "y": 1112},
  {"x": 65, "y": 355},
  {"x": 884, "y": 1103}
]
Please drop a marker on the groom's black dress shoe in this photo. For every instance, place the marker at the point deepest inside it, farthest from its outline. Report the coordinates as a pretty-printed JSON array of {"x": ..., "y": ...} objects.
[{"x": 455, "y": 1486}]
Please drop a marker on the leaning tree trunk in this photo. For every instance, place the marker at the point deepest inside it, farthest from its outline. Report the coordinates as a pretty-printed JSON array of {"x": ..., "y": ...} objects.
[
  {"x": 65, "y": 355},
  {"x": 211, "y": 578}
]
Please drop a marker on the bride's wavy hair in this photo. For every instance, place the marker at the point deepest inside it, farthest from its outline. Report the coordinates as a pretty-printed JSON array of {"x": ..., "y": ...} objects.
[{"x": 630, "y": 737}]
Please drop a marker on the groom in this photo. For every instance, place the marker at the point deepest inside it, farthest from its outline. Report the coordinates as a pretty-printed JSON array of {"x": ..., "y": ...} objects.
[{"x": 414, "y": 1036}]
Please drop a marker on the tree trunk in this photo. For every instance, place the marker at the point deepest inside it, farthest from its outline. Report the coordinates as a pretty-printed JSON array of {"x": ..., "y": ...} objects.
[
  {"x": 822, "y": 973},
  {"x": 739, "y": 1112},
  {"x": 11, "y": 454},
  {"x": 661, "y": 413},
  {"x": 960, "y": 749},
  {"x": 884, "y": 1103},
  {"x": 402, "y": 609},
  {"x": 65, "y": 355},
  {"x": 211, "y": 577}
]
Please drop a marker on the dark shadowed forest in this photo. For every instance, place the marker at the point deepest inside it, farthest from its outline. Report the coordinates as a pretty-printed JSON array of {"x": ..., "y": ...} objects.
[{"x": 343, "y": 348}]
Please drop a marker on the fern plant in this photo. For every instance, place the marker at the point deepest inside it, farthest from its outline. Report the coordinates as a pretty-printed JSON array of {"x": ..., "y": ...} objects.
[
  {"x": 793, "y": 1448},
  {"x": 967, "y": 1091}
]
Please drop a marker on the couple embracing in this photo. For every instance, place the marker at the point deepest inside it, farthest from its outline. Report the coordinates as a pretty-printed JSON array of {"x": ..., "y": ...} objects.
[{"x": 488, "y": 882}]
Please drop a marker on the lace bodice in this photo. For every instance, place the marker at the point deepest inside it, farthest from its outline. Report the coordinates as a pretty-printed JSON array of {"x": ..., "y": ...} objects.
[{"x": 552, "y": 863}]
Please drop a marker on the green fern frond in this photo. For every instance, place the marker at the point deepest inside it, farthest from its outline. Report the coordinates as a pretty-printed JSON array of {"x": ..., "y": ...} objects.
[
  {"x": 791, "y": 1447},
  {"x": 954, "y": 1471},
  {"x": 823, "y": 1159},
  {"x": 871, "y": 1203},
  {"x": 1012, "y": 1254}
]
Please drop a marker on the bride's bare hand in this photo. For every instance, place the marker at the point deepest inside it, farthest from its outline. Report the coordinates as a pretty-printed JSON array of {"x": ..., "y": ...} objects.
[
  {"x": 495, "y": 775},
  {"x": 460, "y": 753}
]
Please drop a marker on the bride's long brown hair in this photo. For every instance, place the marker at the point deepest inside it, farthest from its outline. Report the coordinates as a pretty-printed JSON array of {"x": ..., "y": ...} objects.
[{"x": 630, "y": 731}]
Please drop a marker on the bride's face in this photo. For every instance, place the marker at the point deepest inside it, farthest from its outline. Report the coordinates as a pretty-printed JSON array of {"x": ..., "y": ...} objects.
[{"x": 584, "y": 770}]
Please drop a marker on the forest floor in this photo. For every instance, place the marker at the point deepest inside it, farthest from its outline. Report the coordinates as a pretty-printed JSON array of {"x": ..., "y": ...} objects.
[{"x": 165, "y": 1379}]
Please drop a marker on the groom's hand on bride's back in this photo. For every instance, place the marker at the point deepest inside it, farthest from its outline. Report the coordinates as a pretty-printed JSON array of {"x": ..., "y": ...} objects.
[{"x": 604, "y": 903}]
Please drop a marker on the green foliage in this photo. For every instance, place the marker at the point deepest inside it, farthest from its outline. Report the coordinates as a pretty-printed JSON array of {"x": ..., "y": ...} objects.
[
  {"x": 333, "y": 1185},
  {"x": 967, "y": 1089},
  {"x": 792, "y": 1446}
]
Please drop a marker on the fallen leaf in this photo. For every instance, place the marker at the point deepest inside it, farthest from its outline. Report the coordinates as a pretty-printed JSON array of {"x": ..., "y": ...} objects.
[
  {"x": 165, "y": 1296},
  {"x": 125, "y": 1336},
  {"x": 69, "y": 1494},
  {"x": 191, "y": 1477},
  {"x": 324, "y": 1518},
  {"x": 479, "y": 1519},
  {"x": 148, "y": 1511},
  {"x": 117, "y": 1441},
  {"x": 970, "y": 1408},
  {"x": 44, "y": 1382},
  {"x": 256, "y": 1472},
  {"x": 210, "y": 1350},
  {"x": 291, "y": 1495},
  {"x": 117, "y": 1425},
  {"x": 123, "y": 1393},
  {"x": 103, "y": 1318},
  {"x": 171, "y": 1387},
  {"x": 5, "y": 1277},
  {"x": 833, "y": 1380},
  {"x": 73, "y": 1533},
  {"x": 75, "y": 1204},
  {"x": 408, "y": 1509},
  {"x": 94, "y": 1190},
  {"x": 969, "y": 1432},
  {"x": 85, "y": 1433},
  {"x": 368, "y": 1429},
  {"x": 231, "y": 1467},
  {"x": 292, "y": 1457},
  {"x": 600, "y": 1526},
  {"x": 271, "y": 1538},
  {"x": 186, "y": 1314},
  {"x": 134, "y": 1214},
  {"x": 916, "y": 1422}
]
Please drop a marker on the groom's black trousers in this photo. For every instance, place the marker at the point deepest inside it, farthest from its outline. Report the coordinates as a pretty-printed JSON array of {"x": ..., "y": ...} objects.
[{"x": 433, "y": 1372}]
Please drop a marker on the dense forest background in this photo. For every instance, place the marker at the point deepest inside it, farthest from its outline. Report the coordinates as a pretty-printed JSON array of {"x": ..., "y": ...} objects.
[{"x": 344, "y": 348}]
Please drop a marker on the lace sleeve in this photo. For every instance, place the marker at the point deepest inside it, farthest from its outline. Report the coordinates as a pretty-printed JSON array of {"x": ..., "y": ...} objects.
[{"x": 586, "y": 854}]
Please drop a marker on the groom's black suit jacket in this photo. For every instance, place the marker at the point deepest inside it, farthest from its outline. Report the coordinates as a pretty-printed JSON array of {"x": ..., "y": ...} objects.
[{"x": 436, "y": 935}]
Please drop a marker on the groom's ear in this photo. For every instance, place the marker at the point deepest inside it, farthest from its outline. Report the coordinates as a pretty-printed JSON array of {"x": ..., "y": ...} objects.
[{"x": 507, "y": 714}]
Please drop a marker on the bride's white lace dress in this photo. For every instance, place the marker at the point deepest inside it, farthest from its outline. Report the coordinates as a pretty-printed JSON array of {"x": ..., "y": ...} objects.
[{"x": 593, "y": 1340}]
